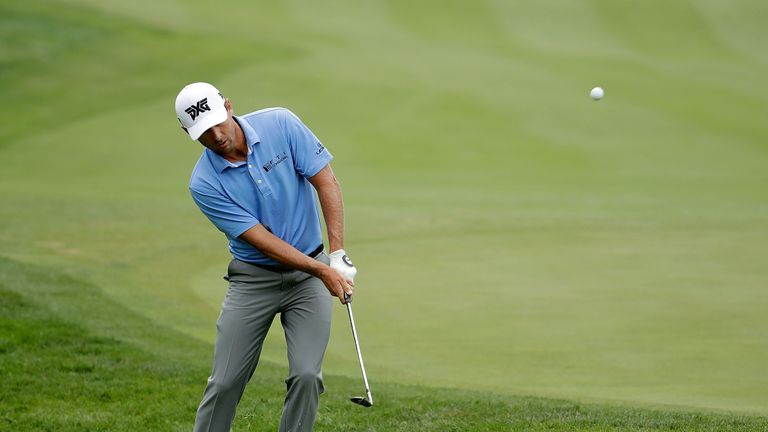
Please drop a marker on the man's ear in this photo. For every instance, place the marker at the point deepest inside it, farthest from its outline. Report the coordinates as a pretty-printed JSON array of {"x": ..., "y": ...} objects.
[
  {"x": 182, "y": 126},
  {"x": 228, "y": 105}
]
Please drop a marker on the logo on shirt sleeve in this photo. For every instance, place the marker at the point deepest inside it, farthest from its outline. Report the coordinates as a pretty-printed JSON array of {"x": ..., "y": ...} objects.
[{"x": 320, "y": 149}]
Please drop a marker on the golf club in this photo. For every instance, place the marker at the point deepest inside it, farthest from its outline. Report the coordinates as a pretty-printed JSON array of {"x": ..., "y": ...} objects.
[{"x": 366, "y": 401}]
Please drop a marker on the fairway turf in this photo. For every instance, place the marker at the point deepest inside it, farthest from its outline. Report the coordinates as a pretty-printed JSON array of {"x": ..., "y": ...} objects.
[{"x": 513, "y": 236}]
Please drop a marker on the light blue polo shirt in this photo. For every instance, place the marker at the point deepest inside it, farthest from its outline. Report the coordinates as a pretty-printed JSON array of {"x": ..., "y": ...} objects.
[{"x": 270, "y": 188}]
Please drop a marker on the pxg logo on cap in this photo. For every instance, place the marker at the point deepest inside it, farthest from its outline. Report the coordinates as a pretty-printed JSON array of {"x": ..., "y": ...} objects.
[
  {"x": 196, "y": 109},
  {"x": 200, "y": 106}
]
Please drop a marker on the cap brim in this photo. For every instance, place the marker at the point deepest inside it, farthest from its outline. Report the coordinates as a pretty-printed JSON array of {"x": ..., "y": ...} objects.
[{"x": 206, "y": 123}]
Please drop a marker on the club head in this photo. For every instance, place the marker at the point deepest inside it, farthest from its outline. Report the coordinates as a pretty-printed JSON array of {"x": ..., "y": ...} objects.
[{"x": 361, "y": 401}]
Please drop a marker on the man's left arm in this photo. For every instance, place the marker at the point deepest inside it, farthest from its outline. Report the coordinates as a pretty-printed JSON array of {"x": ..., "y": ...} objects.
[
  {"x": 312, "y": 160},
  {"x": 329, "y": 193}
]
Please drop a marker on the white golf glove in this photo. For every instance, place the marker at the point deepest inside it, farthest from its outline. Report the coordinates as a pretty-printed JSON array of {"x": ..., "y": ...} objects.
[{"x": 341, "y": 263}]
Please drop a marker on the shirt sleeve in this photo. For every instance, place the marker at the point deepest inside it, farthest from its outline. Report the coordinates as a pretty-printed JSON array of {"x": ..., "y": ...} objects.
[
  {"x": 309, "y": 154},
  {"x": 225, "y": 214}
]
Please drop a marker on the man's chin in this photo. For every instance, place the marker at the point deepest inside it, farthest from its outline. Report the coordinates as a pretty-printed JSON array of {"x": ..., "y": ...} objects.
[{"x": 224, "y": 147}]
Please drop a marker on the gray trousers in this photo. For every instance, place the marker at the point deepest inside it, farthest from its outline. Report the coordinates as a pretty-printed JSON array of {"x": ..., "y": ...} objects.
[{"x": 254, "y": 297}]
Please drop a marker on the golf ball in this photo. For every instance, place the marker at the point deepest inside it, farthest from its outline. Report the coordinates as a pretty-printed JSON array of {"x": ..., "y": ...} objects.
[{"x": 597, "y": 93}]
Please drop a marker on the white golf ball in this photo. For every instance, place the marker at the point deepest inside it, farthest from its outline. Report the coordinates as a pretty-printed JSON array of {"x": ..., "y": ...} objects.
[{"x": 597, "y": 93}]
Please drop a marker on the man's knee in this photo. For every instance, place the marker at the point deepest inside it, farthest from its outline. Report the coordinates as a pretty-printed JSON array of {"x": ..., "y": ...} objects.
[
  {"x": 224, "y": 385},
  {"x": 306, "y": 380}
]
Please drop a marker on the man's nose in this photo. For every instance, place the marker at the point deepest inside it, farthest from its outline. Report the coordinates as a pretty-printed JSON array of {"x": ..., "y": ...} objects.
[{"x": 217, "y": 133}]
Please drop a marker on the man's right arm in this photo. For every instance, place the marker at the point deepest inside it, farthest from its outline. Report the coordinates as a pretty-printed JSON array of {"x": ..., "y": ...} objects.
[
  {"x": 223, "y": 213},
  {"x": 277, "y": 249},
  {"x": 232, "y": 219}
]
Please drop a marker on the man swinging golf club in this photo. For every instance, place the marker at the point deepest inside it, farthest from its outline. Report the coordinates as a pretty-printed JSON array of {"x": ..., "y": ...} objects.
[{"x": 256, "y": 182}]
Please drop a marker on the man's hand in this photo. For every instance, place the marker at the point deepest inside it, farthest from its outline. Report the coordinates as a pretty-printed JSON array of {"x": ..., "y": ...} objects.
[
  {"x": 337, "y": 284},
  {"x": 342, "y": 264}
]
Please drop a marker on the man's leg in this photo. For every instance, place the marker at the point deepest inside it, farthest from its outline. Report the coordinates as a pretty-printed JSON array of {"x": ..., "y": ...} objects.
[
  {"x": 306, "y": 319},
  {"x": 251, "y": 304}
]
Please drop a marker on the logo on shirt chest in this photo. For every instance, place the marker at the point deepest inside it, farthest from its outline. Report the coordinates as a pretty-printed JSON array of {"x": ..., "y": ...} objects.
[{"x": 277, "y": 160}]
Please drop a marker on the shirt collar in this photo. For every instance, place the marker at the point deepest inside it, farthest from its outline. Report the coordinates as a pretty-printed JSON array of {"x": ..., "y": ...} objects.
[{"x": 251, "y": 139}]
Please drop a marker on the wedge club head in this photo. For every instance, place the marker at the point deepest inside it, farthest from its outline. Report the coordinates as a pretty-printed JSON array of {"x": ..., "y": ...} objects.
[{"x": 361, "y": 401}]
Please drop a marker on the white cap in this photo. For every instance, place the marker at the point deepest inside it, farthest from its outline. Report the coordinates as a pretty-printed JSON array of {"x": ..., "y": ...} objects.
[{"x": 199, "y": 106}]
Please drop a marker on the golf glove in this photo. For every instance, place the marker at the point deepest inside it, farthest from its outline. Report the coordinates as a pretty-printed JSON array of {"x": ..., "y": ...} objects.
[{"x": 341, "y": 263}]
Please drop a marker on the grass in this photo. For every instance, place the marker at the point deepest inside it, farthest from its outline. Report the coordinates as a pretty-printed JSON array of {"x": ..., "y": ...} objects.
[
  {"x": 59, "y": 374},
  {"x": 513, "y": 237}
]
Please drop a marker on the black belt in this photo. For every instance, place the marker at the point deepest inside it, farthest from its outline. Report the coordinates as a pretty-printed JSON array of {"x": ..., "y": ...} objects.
[{"x": 284, "y": 268}]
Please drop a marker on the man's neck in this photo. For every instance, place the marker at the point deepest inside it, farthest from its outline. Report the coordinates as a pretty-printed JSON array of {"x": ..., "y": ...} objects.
[{"x": 241, "y": 147}]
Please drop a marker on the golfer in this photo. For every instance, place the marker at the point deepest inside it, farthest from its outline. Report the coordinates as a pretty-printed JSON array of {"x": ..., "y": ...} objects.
[{"x": 256, "y": 182}]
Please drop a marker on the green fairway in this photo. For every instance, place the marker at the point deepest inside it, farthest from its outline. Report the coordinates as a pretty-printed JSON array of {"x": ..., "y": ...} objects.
[{"x": 512, "y": 235}]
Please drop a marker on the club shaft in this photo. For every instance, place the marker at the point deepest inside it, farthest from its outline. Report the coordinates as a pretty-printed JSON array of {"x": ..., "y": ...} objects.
[{"x": 359, "y": 354}]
